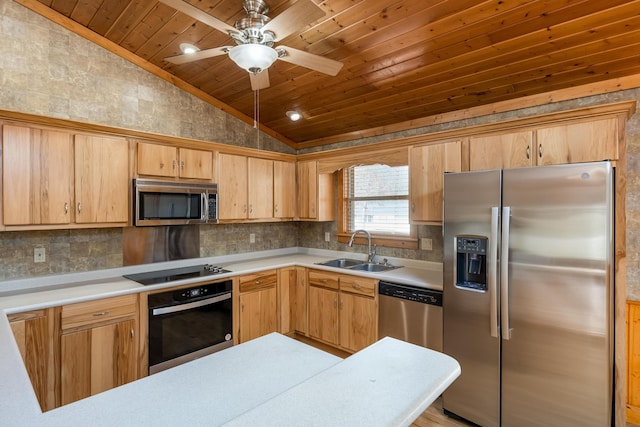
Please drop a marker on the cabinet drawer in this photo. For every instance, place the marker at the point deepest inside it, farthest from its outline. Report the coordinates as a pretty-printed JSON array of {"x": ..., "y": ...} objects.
[
  {"x": 87, "y": 313},
  {"x": 264, "y": 279},
  {"x": 323, "y": 279},
  {"x": 358, "y": 285}
]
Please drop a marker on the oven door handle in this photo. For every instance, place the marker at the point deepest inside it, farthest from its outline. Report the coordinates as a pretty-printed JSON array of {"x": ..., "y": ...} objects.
[{"x": 190, "y": 305}]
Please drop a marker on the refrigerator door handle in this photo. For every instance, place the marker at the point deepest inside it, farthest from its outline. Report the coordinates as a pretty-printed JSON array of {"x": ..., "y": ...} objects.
[
  {"x": 493, "y": 272},
  {"x": 504, "y": 274}
]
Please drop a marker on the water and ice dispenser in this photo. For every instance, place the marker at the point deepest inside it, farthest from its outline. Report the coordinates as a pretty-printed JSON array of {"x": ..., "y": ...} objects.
[{"x": 471, "y": 263}]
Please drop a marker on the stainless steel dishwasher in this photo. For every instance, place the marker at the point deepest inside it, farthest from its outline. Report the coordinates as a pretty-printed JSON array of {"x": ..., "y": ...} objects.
[{"x": 410, "y": 313}]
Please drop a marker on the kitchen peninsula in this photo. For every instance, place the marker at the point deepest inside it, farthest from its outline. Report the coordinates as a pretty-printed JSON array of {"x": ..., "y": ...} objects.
[{"x": 273, "y": 374}]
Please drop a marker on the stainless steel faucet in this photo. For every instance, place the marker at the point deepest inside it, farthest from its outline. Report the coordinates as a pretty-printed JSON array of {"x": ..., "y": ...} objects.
[{"x": 371, "y": 252}]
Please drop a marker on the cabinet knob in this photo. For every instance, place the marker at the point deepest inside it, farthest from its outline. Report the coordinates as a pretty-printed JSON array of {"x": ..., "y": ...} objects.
[
  {"x": 100, "y": 314},
  {"x": 161, "y": 165},
  {"x": 173, "y": 165},
  {"x": 258, "y": 282},
  {"x": 356, "y": 286},
  {"x": 242, "y": 307},
  {"x": 79, "y": 207},
  {"x": 182, "y": 165},
  {"x": 413, "y": 206},
  {"x": 132, "y": 333},
  {"x": 275, "y": 208},
  {"x": 528, "y": 152},
  {"x": 251, "y": 208},
  {"x": 335, "y": 302},
  {"x": 540, "y": 150},
  {"x": 66, "y": 208}
]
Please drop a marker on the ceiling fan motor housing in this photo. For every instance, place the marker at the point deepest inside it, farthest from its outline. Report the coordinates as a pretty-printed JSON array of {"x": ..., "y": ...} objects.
[{"x": 251, "y": 26}]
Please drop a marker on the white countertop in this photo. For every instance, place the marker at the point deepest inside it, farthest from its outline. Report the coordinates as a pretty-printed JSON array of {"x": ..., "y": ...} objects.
[{"x": 19, "y": 401}]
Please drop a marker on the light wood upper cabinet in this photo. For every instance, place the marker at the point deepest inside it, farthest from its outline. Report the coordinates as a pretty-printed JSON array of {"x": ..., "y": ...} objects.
[
  {"x": 36, "y": 172},
  {"x": 316, "y": 195},
  {"x": 98, "y": 346},
  {"x": 245, "y": 187},
  {"x": 575, "y": 142},
  {"x": 427, "y": 165},
  {"x": 101, "y": 179},
  {"x": 260, "y": 188},
  {"x": 587, "y": 141},
  {"x": 507, "y": 150},
  {"x": 258, "y": 305},
  {"x": 174, "y": 162},
  {"x": 36, "y": 339},
  {"x": 232, "y": 187},
  {"x": 284, "y": 189}
]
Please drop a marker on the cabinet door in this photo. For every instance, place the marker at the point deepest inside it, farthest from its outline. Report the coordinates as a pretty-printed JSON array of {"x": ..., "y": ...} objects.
[
  {"x": 36, "y": 172},
  {"x": 287, "y": 298},
  {"x": 232, "y": 187},
  {"x": 307, "y": 182},
  {"x": 260, "y": 188},
  {"x": 358, "y": 321},
  {"x": 284, "y": 189},
  {"x": 323, "y": 314},
  {"x": 196, "y": 164},
  {"x": 509, "y": 150},
  {"x": 301, "y": 292},
  {"x": 427, "y": 165},
  {"x": 34, "y": 335},
  {"x": 101, "y": 179},
  {"x": 157, "y": 160},
  {"x": 97, "y": 359},
  {"x": 258, "y": 313},
  {"x": 578, "y": 142}
]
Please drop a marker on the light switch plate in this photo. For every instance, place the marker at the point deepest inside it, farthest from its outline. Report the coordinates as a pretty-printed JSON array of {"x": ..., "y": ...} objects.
[
  {"x": 252, "y": 238},
  {"x": 327, "y": 236}
]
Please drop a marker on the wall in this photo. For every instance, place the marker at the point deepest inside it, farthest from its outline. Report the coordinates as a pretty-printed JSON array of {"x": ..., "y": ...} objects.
[{"x": 49, "y": 71}]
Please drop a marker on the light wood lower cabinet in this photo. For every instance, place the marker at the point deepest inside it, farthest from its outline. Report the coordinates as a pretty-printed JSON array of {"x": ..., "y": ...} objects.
[
  {"x": 258, "y": 305},
  {"x": 98, "y": 346},
  {"x": 35, "y": 334},
  {"x": 343, "y": 309}
]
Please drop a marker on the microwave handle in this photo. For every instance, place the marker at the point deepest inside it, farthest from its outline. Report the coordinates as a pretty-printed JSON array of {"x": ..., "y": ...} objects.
[{"x": 204, "y": 199}]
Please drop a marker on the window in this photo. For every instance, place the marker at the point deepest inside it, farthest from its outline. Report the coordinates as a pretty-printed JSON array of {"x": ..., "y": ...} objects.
[{"x": 376, "y": 199}]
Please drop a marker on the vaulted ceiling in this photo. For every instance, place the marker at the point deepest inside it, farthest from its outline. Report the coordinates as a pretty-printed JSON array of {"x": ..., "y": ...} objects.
[{"x": 403, "y": 59}]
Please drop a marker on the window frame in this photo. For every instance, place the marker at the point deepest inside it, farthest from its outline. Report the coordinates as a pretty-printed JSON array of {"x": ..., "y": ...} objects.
[{"x": 384, "y": 240}]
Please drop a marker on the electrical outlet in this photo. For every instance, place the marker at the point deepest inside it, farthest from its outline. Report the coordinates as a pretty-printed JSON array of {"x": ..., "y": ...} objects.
[
  {"x": 327, "y": 236},
  {"x": 39, "y": 254},
  {"x": 426, "y": 244},
  {"x": 252, "y": 238}
]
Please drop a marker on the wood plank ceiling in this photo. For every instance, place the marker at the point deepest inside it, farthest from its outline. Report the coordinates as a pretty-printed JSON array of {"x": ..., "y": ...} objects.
[{"x": 403, "y": 59}]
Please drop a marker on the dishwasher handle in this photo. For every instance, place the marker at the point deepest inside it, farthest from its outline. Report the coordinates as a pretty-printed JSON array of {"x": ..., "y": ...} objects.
[{"x": 410, "y": 293}]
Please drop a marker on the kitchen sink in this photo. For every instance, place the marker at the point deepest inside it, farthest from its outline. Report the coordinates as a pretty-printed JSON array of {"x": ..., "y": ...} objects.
[
  {"x": 341, "y": 262},
  {"x": 354, "y": 264},
  {"x": 373, "y": 267}
]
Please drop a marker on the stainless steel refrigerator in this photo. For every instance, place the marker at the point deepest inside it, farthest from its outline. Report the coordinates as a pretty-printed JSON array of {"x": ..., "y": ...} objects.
[{"x": 528, "y": 295}]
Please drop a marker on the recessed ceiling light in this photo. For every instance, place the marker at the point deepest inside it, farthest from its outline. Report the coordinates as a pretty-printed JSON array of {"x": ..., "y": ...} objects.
[
  {"x": 188, "y": 48},
  {"x": 294, "y": 115}
]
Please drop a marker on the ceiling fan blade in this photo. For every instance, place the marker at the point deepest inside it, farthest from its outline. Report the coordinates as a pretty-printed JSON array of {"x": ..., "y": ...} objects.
[
  {"x": 302, "y": 12},
  {"x": 196, "y": 56},
  {"x": 310, "y": 60},
  {"x": 200, "y": 15},
  {"x": 260, "y": 80}
]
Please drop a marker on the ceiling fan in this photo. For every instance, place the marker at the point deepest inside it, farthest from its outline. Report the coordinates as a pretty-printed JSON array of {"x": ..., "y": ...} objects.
[{"x": 255, "y": 36}]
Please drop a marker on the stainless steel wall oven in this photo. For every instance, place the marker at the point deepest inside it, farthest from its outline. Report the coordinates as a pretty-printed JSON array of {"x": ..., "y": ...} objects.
[{"x": 189, "y": 323}]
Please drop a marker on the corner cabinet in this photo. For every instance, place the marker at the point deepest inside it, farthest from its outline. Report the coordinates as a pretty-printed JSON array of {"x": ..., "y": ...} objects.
[
  {"x": 55, "y": 178},
  {"x": 258, "y": 305},
  {"x": 343, "y": 310},
  {"x": 98, "y": 346},
  {"x": 316, "y": 194},
  {"x": 427, "y": 165},
  {"x": 174, "y": 162}
]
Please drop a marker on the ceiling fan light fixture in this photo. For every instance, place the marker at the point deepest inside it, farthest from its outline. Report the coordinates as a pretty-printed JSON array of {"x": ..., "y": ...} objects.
[
  {"x": 294, "y": 116},
  {"x": 253, "y": 57},
  {"x": 188, "y": 48}
]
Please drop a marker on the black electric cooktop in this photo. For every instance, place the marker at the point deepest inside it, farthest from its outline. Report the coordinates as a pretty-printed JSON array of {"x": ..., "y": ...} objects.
[{"x": 173, "y": 274}]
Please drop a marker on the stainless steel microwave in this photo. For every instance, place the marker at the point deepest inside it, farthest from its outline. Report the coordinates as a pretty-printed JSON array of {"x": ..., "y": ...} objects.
[{"x": 174, "y": 203}]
